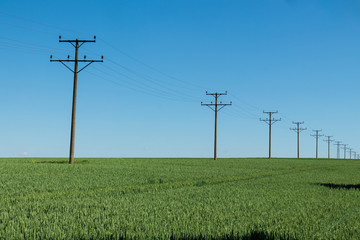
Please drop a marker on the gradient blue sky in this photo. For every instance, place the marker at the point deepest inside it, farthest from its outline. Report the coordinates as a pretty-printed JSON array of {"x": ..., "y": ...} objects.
[{"x": 301, "y": 58}]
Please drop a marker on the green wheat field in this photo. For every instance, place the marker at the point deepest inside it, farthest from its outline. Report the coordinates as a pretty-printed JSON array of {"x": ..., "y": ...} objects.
[{"x": 44, "y": 198}]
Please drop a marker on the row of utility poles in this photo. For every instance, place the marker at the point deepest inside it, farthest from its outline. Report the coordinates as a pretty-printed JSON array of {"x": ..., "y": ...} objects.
[
  {"x": 270, "y": 120},
  {"x": 317, "y": 135},
  {"x": 216, "y": 106}
]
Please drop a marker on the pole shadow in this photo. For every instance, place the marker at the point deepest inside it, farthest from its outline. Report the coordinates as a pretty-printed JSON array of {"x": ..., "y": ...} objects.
[
  {"x": 340, "y": 186},
  {"x": 254, "y": 235},
  {"x": 85, "y": 161}
]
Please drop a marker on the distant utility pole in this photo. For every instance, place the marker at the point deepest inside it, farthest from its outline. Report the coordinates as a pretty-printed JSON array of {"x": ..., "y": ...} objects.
[
  {"x": 270, "y": 121},
  {"x": 350, "y": 152},
  {"x": 354, "y": 155},
  {"x": 338, "y": 143},
  {"x": 298, "y": 129},
  {"x": 344, "y": 149},
  {"x": 77, "y": 44},
  {"x": 317, "y": 135},
  {"x": 328, "y": 141},
  {"x": 214, "y": 107}
]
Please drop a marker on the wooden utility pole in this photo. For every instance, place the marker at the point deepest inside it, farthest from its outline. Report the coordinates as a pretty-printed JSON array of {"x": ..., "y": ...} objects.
[
  {"x": 317, "y": 135},
  {"x": 298, "y": 129},
  {"x": 338, "y": 143},
  {"x": 77, "y": 44},
  {"x": 344, "y": 149},
  {"x": 214, "y": 107},
  {"x": 270, "y": 121},
  {"x": 350, "y": 150},
  {"x": 329, "y": 140}
]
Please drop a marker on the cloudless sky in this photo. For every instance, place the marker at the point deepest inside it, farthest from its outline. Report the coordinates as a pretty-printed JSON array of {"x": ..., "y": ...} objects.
[{"x": 301, "y": 58}]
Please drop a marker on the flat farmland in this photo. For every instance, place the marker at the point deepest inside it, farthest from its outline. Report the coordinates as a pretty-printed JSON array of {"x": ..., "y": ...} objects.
[{"x": 46, "y": 198}]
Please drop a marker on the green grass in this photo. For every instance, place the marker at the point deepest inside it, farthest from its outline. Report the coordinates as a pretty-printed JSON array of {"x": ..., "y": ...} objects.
[{"x": 179, "y": 199}]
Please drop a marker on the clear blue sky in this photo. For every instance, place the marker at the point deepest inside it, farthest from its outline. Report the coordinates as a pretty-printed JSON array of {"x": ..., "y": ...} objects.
[{"x": 301, "y": 58}]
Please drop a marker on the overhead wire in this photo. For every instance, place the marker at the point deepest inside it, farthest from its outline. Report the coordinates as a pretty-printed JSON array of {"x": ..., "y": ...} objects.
[
  {"x": 167, "y": 86},
  {"x": 27, "y": 49},
  {"x": 150, "y": 67},
  {"x": 162, "y": 85},
  {"x": 116, "y": 48},
  {"x": 26, "y": 28},
  {"x": 247, "y": 104},
  {"x": 31, "y": 44},
  {"x": 39, "y": 49},
  {"x": 146, "y": 92},
  {"x": 133, "y": 82},
  {"x": 39, "y": 23},
  {"x": 154, "y": 81},
  {"x": 147, "y": 84}
]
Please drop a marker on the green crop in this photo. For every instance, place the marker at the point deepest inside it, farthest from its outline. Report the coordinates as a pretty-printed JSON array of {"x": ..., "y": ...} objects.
[{"x": 179, "y": 199}]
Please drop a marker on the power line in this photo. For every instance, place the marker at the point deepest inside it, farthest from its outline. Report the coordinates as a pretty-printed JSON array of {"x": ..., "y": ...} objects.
[
  {"x": 138, "y": 84},
  {"x": 237, "y": 115},
  {"x": 31, "y": 44},
  {"x": 152, "y": 80},
  {"x": 77, "y": 44},
  {"x": 39, "y": 23},
  {"x": 26, "y": 28},
  {"x": 317, "y": 135},
  {"x": 298, "y": 129},
  {"x": 244, "y": 111},
  {"x": 11, "y": 47},
  {"x": 270, "y": 121},
  {"x": 162, "y": 86},
  {"x": 238, "y": 109},
  {"x": 244, "y": 102},
  {"x": 38, "y": 49},
  {"x": 216, "y": 109},
  {"x": 151, "y": 67},
  {"x": 136, "y": 88},
  {"x": 104, "y": 41}
]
